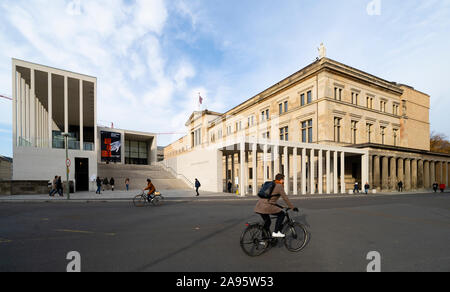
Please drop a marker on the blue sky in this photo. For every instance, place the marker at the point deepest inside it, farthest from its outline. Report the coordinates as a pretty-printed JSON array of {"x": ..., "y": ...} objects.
[{"x": 152, "y": 58}]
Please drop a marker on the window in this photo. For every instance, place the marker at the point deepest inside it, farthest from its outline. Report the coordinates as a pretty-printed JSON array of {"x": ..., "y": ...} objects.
[
  {"x": 354, "y": 131},
  {"x": 197, "y": 135},
  {"x": 307, "y": 131},
  {"x": 338, "y": 93},
  {"x": 238, "y": 126},
  {"x": 280, "y": 108},
  {"x": 383, "y": 106},
  {"x": 283, "y": 107},
  {"x": 251, "y": 121},
  {"x": 382, "y": 130},
  {"x": 302, "y": 99},
  {"x": 395, "y": 136},
  {"x": 228, "y": 130},
  {"x": 265, "y": 115},
  {"x": 337, "y": 129},
  {"x": 284, "y": 135},
  {"x": 395, "y": 109},
  {"x": 286, "y": 105},
  {"x": 369, "y": 102},
  {"x": 369, "y": 133},
  {"x": 354, "y": 98},
  {"x": 213, "y": 137},
  {"x": 309, "y": 97},
  {"x": 266, "y": 135},
  {"x": 219, "y": 134}
]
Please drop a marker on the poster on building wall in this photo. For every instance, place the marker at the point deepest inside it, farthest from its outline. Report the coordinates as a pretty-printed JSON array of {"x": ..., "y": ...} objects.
[{"x": 111, "y": 146}]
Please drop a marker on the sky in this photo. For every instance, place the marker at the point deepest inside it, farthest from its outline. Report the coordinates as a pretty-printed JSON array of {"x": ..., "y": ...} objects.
[{"x": 153, "y": 57}]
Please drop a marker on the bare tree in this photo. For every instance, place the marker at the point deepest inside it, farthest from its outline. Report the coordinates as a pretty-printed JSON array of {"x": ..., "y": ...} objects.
[{"x": 439, "y": 143}]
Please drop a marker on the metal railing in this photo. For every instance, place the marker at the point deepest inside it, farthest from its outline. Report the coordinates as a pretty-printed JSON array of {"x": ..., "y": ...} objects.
[{"x": 177, "y": 175}]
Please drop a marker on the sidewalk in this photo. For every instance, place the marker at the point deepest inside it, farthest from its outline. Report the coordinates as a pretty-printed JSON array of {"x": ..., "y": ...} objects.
[{"x": 179, "y": 196}]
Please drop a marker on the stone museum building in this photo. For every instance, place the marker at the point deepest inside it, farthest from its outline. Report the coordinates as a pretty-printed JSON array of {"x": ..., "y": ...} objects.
[{"x": 325, "y": 127}]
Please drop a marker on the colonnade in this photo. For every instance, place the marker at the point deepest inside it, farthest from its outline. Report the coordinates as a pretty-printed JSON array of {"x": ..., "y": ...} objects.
[{"x": 415, "y": 173}]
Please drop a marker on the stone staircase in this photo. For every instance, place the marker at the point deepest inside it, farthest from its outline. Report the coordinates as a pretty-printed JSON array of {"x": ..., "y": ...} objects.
[{"x": 138, "y": 174}]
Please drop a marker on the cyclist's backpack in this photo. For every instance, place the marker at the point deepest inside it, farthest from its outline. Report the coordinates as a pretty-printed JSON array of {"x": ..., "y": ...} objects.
[{"x": 266, "y": 190}]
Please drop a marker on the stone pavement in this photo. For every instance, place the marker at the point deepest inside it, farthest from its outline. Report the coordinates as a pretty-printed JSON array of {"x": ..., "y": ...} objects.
[{"x": 172, "y": 195}]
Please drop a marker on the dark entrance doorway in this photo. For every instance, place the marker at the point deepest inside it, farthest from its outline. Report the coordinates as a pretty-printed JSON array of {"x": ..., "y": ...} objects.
[{"x": 82, "y": 174}]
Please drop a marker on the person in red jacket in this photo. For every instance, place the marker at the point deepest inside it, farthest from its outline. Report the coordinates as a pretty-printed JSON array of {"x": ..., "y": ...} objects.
[{"x": 442, "y": 187}]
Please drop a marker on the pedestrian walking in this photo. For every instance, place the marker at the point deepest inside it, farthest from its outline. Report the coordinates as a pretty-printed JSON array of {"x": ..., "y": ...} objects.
[
  {"x": 197, "y": 186},
  {"x": 356, "y": 188},
  {"x": 366, "y": 188},
  {"x": 127, "y": 183},
  {"x": 435, "y": 186},
  {"x": 400, "y": 186},
  {"x": 442, "y": 187},
  {"x": 229, "y": 186},
  {"x": 53, "y": 189},
  {"x": 99, "y": 185},
  {"x": 59, "y": 187},
  {"x": 105, "y": 183},
  {"x": 111, "y": 182}
]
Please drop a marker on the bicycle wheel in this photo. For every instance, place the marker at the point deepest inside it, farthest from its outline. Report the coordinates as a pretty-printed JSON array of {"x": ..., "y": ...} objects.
[
  {"x": 296, "y": 237},
  {"x": 254, "y": 240},
  {"x": 139, "y": 201},
  {"x": 156, "y": 201}
]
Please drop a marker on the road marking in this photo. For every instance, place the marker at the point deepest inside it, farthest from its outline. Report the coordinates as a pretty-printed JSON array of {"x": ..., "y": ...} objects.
[
  {"x": 2, "y": 240},
  {"x": 85, "y": 232}
]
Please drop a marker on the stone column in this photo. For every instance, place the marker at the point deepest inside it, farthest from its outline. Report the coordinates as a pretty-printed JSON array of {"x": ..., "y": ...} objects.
[
  {"x": 320, "y": 174},
  {"x": 371, "y": 181},
  {"x": 254, "y": 167},
  {"x": 393, "y": 171},
  {"x": 420, "y": 176},
  {"x": 426, "y": 171},
  {"x": 433, "y": 172},
  {"x": 384, "y": 173},
  {"x": 243, "y": 171},
  {"x": 276, "y": 161},
  {"x": 400, "y": 171},
  {"x": 295, "y": 171},
  {"x": 304, "y": 171},
  {"x": 335, "y": 172},
  {"x": 286, "y": 169},
  {"x": 265, "y": 164},
  {"x": 407, "y": 174},
  {"x": 343, "y": 173},
  {"x": 376, "y": 172},
  {"x": 233, "y": 179},
  {"x": 364, "y": 171},
  {"x": 414, "y": 174},
  {"x": 328, "y": 170},
  {"x": 312, "y": 172}
]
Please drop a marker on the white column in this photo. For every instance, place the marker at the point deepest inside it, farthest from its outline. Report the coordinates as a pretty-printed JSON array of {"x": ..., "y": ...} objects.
[
  {"x": 276, "y": 161},
  {"x": 22, "y": 109},
  {"x": 66, "y": 104},
  {"x": 81, "y": 116},
  {"x": 295, "y": 171},
  {"x": 335, "y": 172},
  {"x": 364, "y": 170},
  {"x": 265, "y": 164},
  {"x": 328, "y": 160},
  {"x": 14, "y": 104},
  {"x": 27, "y": 113},
  {"x": 304, "y": 171},
  {"x": 233, "y": 179},
  {"x": 243, "y": 170},
  {"x": 342, "y": 172},
  {"x": 320, "y": 174},
  {"x": 286, "y": 169},
  {"x": 32, "y": 107},
  {"x": 254, "y": 166},
  {"x": 50, "y": 111},
  {"x": 312, "y": 162},
  {"x": 95, "y": 118}
]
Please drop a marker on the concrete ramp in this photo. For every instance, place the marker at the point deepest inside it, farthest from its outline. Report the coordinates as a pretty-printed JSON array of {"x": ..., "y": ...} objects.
[{"x": 138, "y": 175}]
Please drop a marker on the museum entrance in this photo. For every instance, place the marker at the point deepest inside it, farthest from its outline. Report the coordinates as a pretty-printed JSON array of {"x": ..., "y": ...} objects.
[{"x": 82, "y": 174}]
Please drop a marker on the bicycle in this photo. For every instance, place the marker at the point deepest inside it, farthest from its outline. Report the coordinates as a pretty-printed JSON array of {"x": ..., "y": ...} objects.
[
  {"x": 141, "y": 200},
  {"x": 255, "y": 240}
]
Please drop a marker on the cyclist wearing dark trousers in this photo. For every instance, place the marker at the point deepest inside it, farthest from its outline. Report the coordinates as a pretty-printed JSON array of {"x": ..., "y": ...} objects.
[
  {"x": 267, "y": 207},
  {"x": 150, "y": 188}
]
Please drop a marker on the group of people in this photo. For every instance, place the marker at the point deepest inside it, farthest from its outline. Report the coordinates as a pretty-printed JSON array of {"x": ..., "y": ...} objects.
[
  {"x": 104, "y": 183},
  {"x": 440, "y": 186},
  {"x": 436, "y": 186},
  {"x": 56, "y": 187}
]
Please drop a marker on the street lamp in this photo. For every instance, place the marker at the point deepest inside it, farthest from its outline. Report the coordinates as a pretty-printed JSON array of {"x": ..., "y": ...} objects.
[{"x": 66, "y": 142}]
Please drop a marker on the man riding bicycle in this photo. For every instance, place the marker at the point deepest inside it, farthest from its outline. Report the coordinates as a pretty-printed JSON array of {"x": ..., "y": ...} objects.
[
  {"x": 151, "y": 190},
  {"x": 267, "y": 207}
]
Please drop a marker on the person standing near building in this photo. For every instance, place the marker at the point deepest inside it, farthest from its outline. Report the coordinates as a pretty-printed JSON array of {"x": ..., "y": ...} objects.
[
  {"x": 356, "y": 188},
  {"x": 53, "y": 190},
  {"x": 59, "y": 187},
  {"x": 229, "y": 186},
  {"x": 105, "y": 183},
  {"x": 400, "y": 186},
  {"x": 99, "y": 185},
  {"x": 435, "y": 186},
  {"x": 366, "y": 188},
  {"x": 197, "y": 186},
  {"x": 127, "y": 183},
  {"x": 111, "y": 182}
]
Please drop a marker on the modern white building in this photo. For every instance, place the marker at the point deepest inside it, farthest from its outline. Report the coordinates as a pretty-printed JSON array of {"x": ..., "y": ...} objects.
[{"x": 48, "y": 102}]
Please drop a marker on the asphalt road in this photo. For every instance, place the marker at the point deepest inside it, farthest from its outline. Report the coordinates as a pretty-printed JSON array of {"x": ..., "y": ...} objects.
[{"x": 411, "y": 233}]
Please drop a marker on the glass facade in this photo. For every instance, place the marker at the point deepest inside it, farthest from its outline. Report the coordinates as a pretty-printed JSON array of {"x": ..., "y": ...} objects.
[{"x": 136, "y": 152}]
